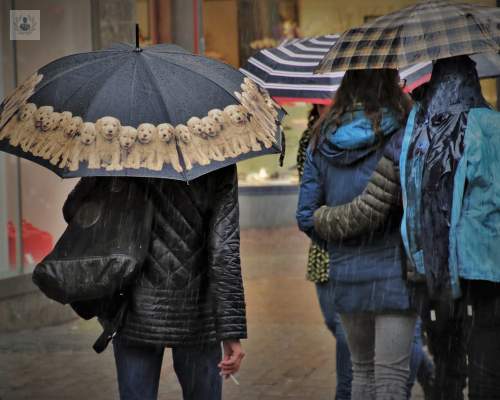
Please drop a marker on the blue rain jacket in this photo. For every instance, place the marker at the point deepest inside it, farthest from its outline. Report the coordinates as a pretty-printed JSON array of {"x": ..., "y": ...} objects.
[
  {"x": 366, "y": 270},
  {"x": 450, "y": 169}
]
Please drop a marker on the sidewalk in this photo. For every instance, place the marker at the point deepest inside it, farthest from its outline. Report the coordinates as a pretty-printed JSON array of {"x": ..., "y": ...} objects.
[{"x": 290, "y": 353}]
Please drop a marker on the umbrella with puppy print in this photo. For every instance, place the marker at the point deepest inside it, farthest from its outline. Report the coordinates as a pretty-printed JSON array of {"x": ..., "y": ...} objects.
[{"x": 157, "y": 111}]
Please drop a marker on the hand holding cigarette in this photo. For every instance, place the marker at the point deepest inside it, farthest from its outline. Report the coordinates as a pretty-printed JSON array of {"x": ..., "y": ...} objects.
[{"x": 231, "y": 361}]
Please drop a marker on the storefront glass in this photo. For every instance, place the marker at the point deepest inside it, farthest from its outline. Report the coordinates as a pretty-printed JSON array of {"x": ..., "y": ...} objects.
[{"x": 64, "y": 29}]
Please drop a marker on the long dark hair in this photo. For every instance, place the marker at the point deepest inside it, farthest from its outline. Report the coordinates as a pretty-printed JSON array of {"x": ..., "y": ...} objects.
[{"x": 374, "y": 89}]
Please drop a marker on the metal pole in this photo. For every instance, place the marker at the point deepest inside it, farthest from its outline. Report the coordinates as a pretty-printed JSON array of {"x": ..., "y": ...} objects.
[
  {"x": 17, "y": 174},
  {"x": 4, "y": 238}
]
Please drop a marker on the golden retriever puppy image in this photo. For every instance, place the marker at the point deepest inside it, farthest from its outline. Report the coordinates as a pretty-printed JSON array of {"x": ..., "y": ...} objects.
[
  {"x": 241, "y": 126},
  {"x": 127, "y": 139},
  {"x": 52, "y": 140},
  {"x": 234, "y": 130},
  {"x": 252, "y": 86},
  {"x": 258, "y": 110},
  {"x": 19, "y": 97},
  {"x": 217, "y": 142},
  {"x": 32, "y": 125},
  {"x": 85, "y": 148},
  {"x": 253, "y": 99},
  {"x": 48, "y": 126},
  {"x": 143, "y": 152},
  {"x": 65, "y": 143},
  {"x": 223, "y": 127},
  {"x": 107, "y": 144},
  {"x": 166, "y": 149},
  {"x": 200, "y": 139},
  {"x": 12, "y": 127},
  {"x": 190, "y": 154}
]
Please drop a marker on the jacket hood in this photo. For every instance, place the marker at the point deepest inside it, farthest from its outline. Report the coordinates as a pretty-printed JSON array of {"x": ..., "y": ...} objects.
[
  {"x": 355, "y": 138},
  {"x": 454, "y": 87}
]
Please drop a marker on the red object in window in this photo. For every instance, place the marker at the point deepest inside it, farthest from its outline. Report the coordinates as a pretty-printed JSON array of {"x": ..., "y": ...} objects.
[{"x": 36, "y": 243}]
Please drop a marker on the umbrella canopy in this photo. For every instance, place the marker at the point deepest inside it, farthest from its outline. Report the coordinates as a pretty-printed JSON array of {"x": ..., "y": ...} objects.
[
  {"x": 425, "y": 31},
  {"x": 123, "y": 111},
  {"x": 287, "y": 71}
]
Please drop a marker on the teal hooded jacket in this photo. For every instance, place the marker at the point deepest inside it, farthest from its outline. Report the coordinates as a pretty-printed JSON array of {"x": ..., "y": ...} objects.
[{"x": 472, "y": 243}]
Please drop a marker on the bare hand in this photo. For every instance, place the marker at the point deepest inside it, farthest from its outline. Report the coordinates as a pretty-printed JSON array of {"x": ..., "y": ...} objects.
[{"x": 233, "y": 354}]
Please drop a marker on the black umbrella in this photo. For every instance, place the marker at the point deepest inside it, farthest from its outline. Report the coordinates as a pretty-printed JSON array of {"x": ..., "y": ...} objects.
[{"x": 158, "y": 111}]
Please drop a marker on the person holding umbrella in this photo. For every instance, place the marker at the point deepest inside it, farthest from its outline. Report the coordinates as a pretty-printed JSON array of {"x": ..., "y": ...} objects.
[
  {"x": 152, "y": 247},
  {"x": 448, "y": 167},
  {"x": 370, "y": 297}
]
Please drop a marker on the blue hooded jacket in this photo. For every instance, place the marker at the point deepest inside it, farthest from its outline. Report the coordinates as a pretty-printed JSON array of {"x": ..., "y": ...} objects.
[
  {"x": 366, "y": 270},
  {"x": 450, "y": 169}
]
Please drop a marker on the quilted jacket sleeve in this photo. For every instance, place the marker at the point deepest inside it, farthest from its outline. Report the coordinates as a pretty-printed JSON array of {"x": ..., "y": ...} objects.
[
  {"x": 224, "y": 258},
  {"x": 367, "y": 212}
]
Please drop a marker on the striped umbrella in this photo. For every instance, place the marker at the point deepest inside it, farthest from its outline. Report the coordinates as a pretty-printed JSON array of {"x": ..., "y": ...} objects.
[
  {"x": 287, "y": 71},
  {"x": 425, "y": 31}
]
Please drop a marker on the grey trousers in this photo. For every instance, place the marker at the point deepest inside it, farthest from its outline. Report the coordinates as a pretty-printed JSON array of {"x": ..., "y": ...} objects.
[{"x": 380, "y": 345}]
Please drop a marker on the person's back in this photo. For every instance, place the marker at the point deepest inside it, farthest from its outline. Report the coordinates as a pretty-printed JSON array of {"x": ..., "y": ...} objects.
[
  {"x": 369, "y": 294},
  {"x": 189, "y": 293},
  {"x": 449, "y": 170},
  {"x": 191, "y": 284}
]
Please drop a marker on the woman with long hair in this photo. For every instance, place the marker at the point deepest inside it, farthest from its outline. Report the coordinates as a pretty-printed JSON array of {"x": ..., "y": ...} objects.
[{"x": 367, "y": 288}]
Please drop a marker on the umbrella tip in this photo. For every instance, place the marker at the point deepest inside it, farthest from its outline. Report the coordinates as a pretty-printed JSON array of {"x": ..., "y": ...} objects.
[{"x": 137, "y": 48}]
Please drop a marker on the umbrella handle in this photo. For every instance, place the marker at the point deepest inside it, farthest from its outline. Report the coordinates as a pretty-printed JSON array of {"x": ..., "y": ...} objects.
[{"x": 283, "y": 144}]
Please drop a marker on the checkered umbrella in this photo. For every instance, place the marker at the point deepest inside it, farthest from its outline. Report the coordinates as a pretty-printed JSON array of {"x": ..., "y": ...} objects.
[
  {"x": 425, "y": 31},
  {"x": 287, "y": 71}
]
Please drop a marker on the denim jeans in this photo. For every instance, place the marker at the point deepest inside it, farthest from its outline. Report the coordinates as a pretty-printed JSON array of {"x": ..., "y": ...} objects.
[
  {"x": 463, "y": 345},
  {"x": 343, "y": 356},
  {"x": 139, "y": 368},
  {"x": 380, "y": 344},
  {"x": 419, "y": 362},
  {"x": 422, "y": 368}
]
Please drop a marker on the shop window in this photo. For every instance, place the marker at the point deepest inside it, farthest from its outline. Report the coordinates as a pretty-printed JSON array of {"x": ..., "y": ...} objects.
[
  {"x": 147, "y": 11},
  {"x": 36, "y": 214}
]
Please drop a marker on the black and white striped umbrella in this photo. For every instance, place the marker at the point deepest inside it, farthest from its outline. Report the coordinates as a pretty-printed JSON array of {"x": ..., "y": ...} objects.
[{"x": 287, "y": 70}]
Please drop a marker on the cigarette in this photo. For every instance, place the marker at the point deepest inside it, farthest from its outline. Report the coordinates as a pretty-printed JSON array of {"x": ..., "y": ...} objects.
[{"x": 234, "y": 380}]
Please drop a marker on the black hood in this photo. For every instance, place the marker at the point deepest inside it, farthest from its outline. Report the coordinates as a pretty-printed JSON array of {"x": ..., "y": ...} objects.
[{"x": 454, "y": 86}]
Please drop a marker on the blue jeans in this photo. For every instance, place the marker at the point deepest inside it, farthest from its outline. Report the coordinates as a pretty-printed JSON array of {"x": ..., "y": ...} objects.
[
  {"x": 138, "y": 370},
  {"x": 419, "y": 362}
]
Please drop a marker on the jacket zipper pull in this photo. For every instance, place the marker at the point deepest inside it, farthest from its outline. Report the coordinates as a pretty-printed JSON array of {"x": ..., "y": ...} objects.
[
  {"x": 469, "y": 310},
  {"x": 433, "y": 315}
]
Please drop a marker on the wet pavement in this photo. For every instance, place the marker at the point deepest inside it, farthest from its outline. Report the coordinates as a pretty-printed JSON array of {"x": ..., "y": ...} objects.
[{"x": 290, "y": 353}]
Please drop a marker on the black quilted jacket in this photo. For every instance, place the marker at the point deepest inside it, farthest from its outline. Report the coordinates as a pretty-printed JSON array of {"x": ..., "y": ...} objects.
[{"x": 189, "y": 292}]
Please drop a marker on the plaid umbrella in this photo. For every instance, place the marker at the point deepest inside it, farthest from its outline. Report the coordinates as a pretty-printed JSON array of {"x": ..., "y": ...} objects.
[
  {"x": 425, "y": 31},
  {"x": 287, "y": 71}
]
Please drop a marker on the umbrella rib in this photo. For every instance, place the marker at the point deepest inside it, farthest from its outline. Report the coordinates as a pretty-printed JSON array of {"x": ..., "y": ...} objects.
[
  {"x": 232, "y": 95},
  {"x": 132, "y": 91},
  {"x": 155, "y": 87},
  {"x": 204, "y": 77},
  {"x": 101, "y": 88},
  {"x": 158, "y": 85},
  {"x": 166, "y": 110},
  {"x": 70, "y": 70}
]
